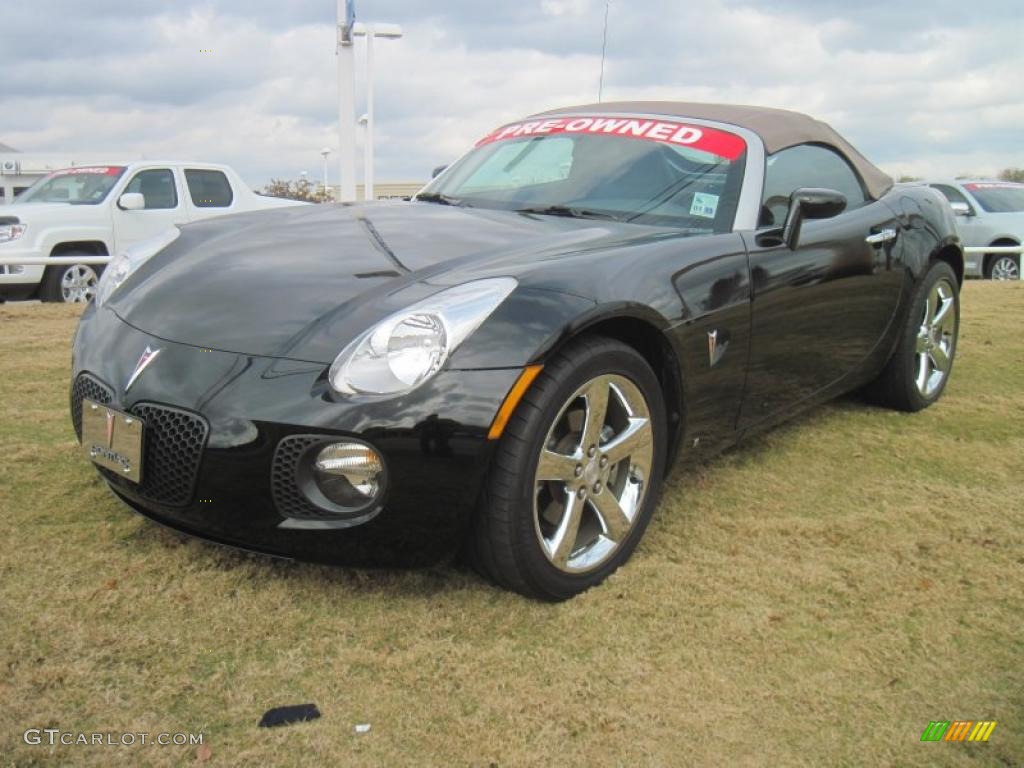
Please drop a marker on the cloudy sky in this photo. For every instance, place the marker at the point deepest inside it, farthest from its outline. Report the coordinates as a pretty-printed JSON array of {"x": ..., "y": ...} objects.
[{"x": 922, "y": 87}]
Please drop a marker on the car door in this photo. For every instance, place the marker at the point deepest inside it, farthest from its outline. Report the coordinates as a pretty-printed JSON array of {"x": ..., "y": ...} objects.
[
  {"x": 163, "y": 207},
  {"x": 819, "y": 309}
]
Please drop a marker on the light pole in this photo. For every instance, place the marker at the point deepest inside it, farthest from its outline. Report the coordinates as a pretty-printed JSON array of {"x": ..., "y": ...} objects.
[
  {"x": 346, "y": 102},
  {"x": 371, "y": 31},
  {"x": 325, "y": 152}
]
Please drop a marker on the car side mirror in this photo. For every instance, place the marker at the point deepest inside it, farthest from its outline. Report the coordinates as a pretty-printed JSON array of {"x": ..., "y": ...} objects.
[
  {"x": 960, "y": 208},
  {"x": 438, "y": 171},
  {"x": 810, "y": 203},
  {"x": 131, "y": 201}
]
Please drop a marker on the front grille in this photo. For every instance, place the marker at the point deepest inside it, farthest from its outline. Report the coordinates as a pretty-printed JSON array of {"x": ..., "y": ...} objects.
[
  {"x": 284, "y": 482},
  {"x": 86, "y": 386},
  {"x": 174, "y": 441}
]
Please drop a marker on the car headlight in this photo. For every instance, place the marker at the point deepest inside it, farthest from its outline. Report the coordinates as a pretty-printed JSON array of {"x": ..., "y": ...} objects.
[
  {"x": 130, "y": 259},
  {"x": 407, "y": 348},
  {"x": 10, "y": 232}
]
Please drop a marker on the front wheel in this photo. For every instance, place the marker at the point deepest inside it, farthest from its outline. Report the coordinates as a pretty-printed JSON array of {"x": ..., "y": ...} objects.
[
  {"x": 70, "y": 283},
  {"x": 577, "y": 473},
  {"x": 918, "y": 370}
]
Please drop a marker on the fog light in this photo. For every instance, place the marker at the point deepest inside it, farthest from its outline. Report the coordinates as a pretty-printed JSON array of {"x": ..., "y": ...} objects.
[{"x": 348, "y": 474}]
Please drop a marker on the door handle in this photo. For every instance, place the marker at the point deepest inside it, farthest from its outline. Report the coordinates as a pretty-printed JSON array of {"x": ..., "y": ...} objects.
[{"x": 884, "y": 236}]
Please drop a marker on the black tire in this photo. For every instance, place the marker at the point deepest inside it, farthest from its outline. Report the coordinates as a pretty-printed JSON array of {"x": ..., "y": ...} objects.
[
  {"x": 504, "y": 543},
  {"x": 1002, "y": 266},
  {"x": 50, "y": 288},
  {"x": 896, "y": 387}
]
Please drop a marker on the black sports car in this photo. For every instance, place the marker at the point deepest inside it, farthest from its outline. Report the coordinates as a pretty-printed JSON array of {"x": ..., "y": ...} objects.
[{"x": 510, "y": 361}]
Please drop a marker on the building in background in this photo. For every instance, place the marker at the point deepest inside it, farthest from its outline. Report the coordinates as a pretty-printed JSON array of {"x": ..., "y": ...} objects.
[{"x": 386, "y": 190}]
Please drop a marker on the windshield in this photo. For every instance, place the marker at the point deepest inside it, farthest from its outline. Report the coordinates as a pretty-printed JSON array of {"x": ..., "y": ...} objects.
[
  {"x": 78, "y": 186},
  {"x": 636, "y": 170},
  {"x": 998, "y": 197}
]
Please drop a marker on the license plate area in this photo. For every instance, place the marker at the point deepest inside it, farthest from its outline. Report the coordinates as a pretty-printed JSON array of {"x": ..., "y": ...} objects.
[{"x": 112, "y": 439}]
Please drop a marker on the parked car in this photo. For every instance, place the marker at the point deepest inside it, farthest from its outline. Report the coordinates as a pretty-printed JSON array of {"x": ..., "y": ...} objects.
[
  {"x": 99, "y": 210},
  {"x": 988, "y": 213},
  {"x": 512, "y": 360}
]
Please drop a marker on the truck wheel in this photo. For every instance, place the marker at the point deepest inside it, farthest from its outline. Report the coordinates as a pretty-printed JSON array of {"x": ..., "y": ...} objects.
[{"x": 70, "y": 283}]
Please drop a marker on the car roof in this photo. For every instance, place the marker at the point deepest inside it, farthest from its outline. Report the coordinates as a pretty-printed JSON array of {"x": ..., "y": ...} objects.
[{"x": 777, "y": 128}]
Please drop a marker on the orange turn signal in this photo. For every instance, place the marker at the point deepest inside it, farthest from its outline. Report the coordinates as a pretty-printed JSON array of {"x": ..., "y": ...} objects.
[{"x": 512, "y": 400}]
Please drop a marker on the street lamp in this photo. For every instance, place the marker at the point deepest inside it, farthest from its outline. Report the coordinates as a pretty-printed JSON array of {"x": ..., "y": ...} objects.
[
  {"x": 371, "y": 31},
  {"x": 324, "y": 153}
]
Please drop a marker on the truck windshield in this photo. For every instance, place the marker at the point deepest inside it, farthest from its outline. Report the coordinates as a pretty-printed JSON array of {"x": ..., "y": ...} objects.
[
  {"x": 638, "y": 170},
  {"x": 998, "y": 197},
  {"x": 77, "y": 186}
]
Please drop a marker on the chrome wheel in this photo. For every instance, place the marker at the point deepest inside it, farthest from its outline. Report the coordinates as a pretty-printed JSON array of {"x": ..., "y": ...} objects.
[
  {"x": 936, "y": 338},
  {"x": 1005, "y": 268},
  {"x": 78, "y": 284},
  {"x": 593, "y": 473}
]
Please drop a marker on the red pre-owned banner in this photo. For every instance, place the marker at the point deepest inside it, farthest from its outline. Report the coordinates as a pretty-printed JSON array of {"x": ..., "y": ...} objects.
[{"x": 721, "y": 143}]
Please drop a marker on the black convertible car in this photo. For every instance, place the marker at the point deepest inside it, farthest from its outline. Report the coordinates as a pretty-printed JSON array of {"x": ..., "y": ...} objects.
[{"x": 511, "y": 361}]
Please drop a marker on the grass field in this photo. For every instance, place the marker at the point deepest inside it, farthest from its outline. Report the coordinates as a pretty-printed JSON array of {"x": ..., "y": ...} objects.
[{"x": 814, "y": 597}]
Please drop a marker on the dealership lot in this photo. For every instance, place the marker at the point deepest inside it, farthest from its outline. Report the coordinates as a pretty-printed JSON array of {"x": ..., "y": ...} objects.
[{"x": 816, "y": 596}]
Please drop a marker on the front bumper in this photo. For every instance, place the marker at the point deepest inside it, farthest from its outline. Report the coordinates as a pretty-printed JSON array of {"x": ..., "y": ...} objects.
[
  {"x": 21, "y": 279},
  {"x": 215, "y": 419}
]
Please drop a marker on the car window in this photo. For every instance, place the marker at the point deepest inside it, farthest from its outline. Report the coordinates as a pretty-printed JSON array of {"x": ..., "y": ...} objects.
[
  {"x": 635, "y": 170},
  {"x": 78, "y": 186},
  {"x": 156, "y": 185},
  {"x": 998, "y": 196},
  {"x": 808, "y": 165},
  {"x": 208, "y": 189},
  {"x": 952, "y": 194},
  {"x": 522, "y": 164}
]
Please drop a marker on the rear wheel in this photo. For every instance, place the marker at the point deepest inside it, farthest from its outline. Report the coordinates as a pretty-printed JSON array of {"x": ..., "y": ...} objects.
[
  {"x": 577, "y": 473},
  {"x": 916, "y": 375},
  {"x": 1003, "y": 266},
  {"x": 70, "y": 283}
]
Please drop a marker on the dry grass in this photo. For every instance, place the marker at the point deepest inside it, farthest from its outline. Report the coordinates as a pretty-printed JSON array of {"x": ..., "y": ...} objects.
[{"x": 812, "y": 598}]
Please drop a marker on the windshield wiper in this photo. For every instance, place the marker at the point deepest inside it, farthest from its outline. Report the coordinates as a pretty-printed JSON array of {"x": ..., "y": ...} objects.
[
  {"x": 568, "y": 211},
  {"x": 439, "y": 197}
]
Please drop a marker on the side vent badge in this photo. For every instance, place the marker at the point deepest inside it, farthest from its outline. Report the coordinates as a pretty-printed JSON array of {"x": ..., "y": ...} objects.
[{"x": 716, "y": 348}]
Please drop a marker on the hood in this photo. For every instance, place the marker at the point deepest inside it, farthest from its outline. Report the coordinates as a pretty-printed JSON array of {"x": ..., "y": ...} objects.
[
  {"x": 260, "y": 283},
  {"x": 30, "y": 213}
]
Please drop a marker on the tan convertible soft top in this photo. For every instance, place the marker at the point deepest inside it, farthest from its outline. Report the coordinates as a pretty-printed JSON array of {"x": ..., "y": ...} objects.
[{"x": 778, "y": 128}]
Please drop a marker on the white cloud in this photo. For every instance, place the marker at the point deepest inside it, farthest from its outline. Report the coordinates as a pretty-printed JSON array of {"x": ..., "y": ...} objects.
[{"x": 929, "y": 97}]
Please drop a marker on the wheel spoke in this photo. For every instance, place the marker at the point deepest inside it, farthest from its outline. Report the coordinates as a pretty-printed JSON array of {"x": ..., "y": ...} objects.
[
  {"x": 944, "y": 316},
  {"x": 939, "y": 357},
  {"x": 557, "y": 466},
  {"x": 560, "y": 545},
  {"x": 596, "y": 396},
  {"x": 924, "y": 365},
  {"x": 634, "y": 439},
  {"x": 613, "y": 518}
]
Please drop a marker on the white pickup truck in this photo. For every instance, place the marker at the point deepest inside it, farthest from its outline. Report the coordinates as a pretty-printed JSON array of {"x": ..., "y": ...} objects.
[{"x": 96, "y": 211}]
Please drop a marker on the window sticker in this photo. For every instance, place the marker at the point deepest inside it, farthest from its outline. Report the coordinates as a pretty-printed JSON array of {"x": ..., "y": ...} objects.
[
  {"x": 721, "y": 143},
  {"x": 96, "y": 169},
  {"x": 704, "y": 205}
]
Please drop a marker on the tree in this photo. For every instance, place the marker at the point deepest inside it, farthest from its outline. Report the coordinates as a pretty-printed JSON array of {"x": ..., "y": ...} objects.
[
  {"x": 904, "y": 179},
  {"x": 303, "y": 189},
  {"x": 1012, "y": 174}
]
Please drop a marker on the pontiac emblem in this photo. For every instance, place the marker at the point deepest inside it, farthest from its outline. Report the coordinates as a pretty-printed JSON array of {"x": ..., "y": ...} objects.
[{"x": 147, "y": 357}]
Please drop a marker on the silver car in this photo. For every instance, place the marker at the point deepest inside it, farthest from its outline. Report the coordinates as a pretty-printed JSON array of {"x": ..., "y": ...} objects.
[{"x": 987, "y": 213}]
